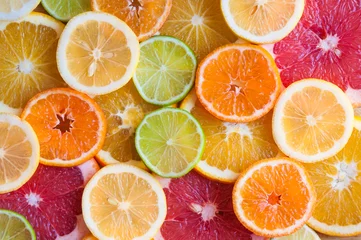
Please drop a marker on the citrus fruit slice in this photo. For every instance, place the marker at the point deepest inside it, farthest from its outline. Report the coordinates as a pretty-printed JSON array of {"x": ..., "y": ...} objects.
[
  {"x": 357, "y": 112},
  {"x": 97, "y": 53},
  {"x": 238, "y": 83},
  {"x": 166, "y": 70},
  {"x": 89, "y": 237},
  {"x": 200, "y": 209},
  {"x": 15, "y": 9},
  {"x": 170, "y": 142},
  {"x": 15, "y": 226},
  {"x": 19, "y": 152},
  {"x": 274, "y": 197},
  {"x": 27, "y": 62},
  {"x": 123, "y": 202},
  {"x": 337, "y": 183},
  {"x": 304, "y": 233},
  {"x": 323, "y": 46},
  {"x": 124, "y": 109},
  {"x": 230, "y": 147},
  {"x": 64, "y": 10},
  {"x": 51, "y": 201},
  {"x": 70, "y": 126},
  {"x": 262, "y": 21},
  {"x": 312, "y": 120},
  {"x": 199, "y": 24}
]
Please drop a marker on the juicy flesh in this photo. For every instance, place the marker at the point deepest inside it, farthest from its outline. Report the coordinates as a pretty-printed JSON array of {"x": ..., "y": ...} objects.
[{"x": 12, "y": 227}]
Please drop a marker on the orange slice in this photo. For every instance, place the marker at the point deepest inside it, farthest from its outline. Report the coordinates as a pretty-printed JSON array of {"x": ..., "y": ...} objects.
[
  {"x": 230, "y": 147},
  {"x": 238, "y": 82},
  {"x": 70, "y": 126},
  {"x": 274, "y": 197},
  {"x": 144, "y": 17}
]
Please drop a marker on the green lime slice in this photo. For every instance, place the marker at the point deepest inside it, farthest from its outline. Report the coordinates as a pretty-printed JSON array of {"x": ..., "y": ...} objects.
[
  {"x": 15, "y": 226},
  {"x": 64, "y": 10},
  {"x": 166, "y": 70},
  {"x": 302, "y": 234},
  {"x": 170, "y": 142}
]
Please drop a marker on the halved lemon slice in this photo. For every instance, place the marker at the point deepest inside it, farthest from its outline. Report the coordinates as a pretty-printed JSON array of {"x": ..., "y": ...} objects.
[{"x": 15, "y": 9}]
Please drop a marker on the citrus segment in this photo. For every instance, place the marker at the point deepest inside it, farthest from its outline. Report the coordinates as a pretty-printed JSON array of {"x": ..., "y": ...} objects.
[
  {"x": 262, "y": 21},
  {"x": 70, "y": 126},
  {"x": 97, "y": 53},
  {"x": 274, "y": 197},
  {"x": 123, "y": 202},
  {"x": 27, "y": 62},
  {"x": 198, "y": 23},
  {"x": 166, "y": 71},
  {"x": 230, "y": 147},
  {"x": 304, "y": 233},
  {"x": 14, "y": 9},
  {"x": 64, "y": 10},
  {"x": 312, "y": 120},
  {"x": 15, "y": 226},
  {"x": 238, "y": 83},
  {"x": 170, "y": 142},
  {"x": 19, "y": 152}
]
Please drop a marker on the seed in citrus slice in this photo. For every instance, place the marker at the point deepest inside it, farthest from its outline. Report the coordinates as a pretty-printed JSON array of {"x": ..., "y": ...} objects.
[
  {"x": 64, "y": 10},
  {"x": 274, "y": 197},
  {"x": 199, "y": 24},
  {"x": 230, "y": 147},
  {"x": 28, "y": 59},
  {"x": 305, "y": 233},
  {"x": 199, "y": 209},
  {"x": 51, "y": 201},
  {"x": 170, "y": 142},
  {"x": 262, "y": 21},
  {"x": 15, "y": 226},
  {"x": 124, "y": 109},
  {"x": 238, "y": 82},
  {"x": 337, "y": 183},
  {"x": 313, "y": 120},
  {"x": 123, "y": 202},
  {"x": 166, "y": 70},
  {"x": 14, "y": 9},
  {"x": 97, "y": 53},
  {"x": 70, "y": 126},
  {"x": 19, "y": 152}
]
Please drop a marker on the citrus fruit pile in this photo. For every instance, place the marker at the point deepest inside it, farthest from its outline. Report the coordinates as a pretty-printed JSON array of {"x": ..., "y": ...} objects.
[{"x": 180, "y": 119}]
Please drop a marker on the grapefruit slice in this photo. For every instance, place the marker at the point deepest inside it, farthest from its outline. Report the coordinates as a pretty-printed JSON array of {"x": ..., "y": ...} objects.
[
  {"x": 51, "y": 201},
  {"x": 323, "y": 45},
  {"x": 199, "y": 209}
]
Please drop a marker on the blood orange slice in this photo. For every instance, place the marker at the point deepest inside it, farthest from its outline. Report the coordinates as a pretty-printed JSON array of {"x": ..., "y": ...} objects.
[
  {"x": 51, "y": 201},
  {"x": 324, "y": 45},
  {"x": 199, "y": 209}
]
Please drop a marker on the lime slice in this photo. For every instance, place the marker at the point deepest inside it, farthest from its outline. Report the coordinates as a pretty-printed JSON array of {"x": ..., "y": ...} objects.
[
  {"x": 64, "y": 10},
  {"x": 302, "y": 234},
  {"x": 166, "y": 70},
  {"x": 15, "y": 226},
  {"x": 170, "y": 141}
]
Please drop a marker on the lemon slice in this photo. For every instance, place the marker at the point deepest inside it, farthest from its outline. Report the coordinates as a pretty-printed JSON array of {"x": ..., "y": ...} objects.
[{"x": 15, "y": 9}]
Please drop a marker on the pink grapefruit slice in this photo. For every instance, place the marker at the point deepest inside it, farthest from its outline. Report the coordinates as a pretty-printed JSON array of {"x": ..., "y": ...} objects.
[
  {"x": 51, "y": 201},
  {"x": 199, "y": 209},
  {"x": 324, "y": 45}
]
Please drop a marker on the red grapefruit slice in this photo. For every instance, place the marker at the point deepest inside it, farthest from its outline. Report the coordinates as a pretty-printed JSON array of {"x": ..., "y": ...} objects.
[
  {"x": 51, "y": 201},
  {"x": 325, "y": 44},
  {"x": 200, "y": 209}
]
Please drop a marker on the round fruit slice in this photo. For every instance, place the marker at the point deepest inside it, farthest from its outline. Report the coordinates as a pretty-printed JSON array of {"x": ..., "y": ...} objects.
[
  {"x": 274, "y": 197},
  {"x": 51, "y": 201},
  {"x": 230, "y": 147},
  {"x": 64, "y": 10},
  {"x": 304, "y": 233},
  {"x": 262, "y": 21},
  {"x": 14, "y": 9},
  {"x": 27, "y": 62},
  {"x": 70, "y": 126},
  {"x": 357, "y": 112},
  {"x": 15, "y": 226},
  {"x": 170, "y": 142},
  {"x": 199, "y": 24},
  {"x": 123, "y": 202},
  {"x": 337, "y": 183},
  {"x": 166, "y": 71},
  {"x": 238, "y": 83},
  {"x": 19, "y": 152},
  {"x": 200, "y": 209},
  {"x": 312, "y": 120},
  {"x": 97, "y": 53}
]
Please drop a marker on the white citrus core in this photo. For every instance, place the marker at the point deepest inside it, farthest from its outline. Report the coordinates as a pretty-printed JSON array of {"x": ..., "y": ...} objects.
[
  {"x": 239, "y": 128},
  {"x": 33, "y": 199},
  {"x": 25, "y": 66},
  {"x": 346, "y": 172},
  {"x": 330, "y": 43},
  {"x": 208, "y": 211},
  {"x": 197, "y": 20}
]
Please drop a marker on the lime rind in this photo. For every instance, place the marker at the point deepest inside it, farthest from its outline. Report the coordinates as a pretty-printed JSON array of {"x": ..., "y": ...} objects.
[
  {"x": 157, "y": 61},
  {"x": 27, "y": 225},
  {"x": 70, "y": 8},
  {"x": 190, "y": 164}
]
